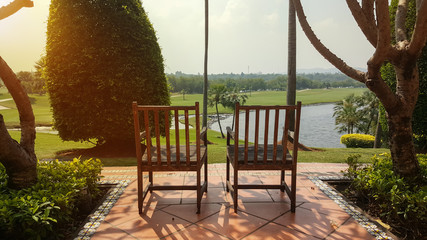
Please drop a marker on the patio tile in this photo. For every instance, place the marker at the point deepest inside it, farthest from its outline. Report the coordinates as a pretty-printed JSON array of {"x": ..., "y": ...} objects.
[
  {"x": 164, "y": 197},
  {"x": 214, "y": 195},
  {"x": 187, "y": 211},
  {"x": 195, "y": 232},
  {"x": 251, "y": 195},
  {"x": 328, "y": 208},
  {"x": 153, "y": 226},
  {"x": 350, "y": 230},
  {"x": 266, "y": 211},
  {"x": 273, "y": 231},
  {"x": 230, "y": 224},
  {"x": 308, "y": 222},
  {"x": 107, "y": 232}
]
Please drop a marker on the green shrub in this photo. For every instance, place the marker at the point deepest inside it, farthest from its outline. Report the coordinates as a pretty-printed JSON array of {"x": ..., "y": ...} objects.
[
  {"x": 41, "y": 211},
  {"x": 399, "y": 203},
  {"x": 358, "y": 140}
]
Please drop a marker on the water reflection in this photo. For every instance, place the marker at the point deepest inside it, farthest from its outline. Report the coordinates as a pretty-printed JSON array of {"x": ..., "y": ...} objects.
[{"x": 317, "y": 126}]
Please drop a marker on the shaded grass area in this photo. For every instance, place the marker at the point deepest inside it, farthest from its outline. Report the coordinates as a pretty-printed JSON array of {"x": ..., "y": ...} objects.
[{"x": 48, "y": 145}]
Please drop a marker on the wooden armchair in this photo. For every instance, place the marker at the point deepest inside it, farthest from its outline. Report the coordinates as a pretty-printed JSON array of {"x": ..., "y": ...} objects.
[
  {"x": 258, "y": 155},
  {"x": 182, "y": 156}
]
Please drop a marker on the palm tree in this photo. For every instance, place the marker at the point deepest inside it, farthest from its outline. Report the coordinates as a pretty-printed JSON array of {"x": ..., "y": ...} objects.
[
  {"x": 368, "y": 105},
  {"x": 346, "y": 114},
  {"x": 231, "y": 99},
  {"x": 217, "y": 94}
]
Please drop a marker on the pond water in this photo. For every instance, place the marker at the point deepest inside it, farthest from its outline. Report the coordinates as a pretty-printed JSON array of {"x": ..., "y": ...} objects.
[{"x": 317, "y": 126}]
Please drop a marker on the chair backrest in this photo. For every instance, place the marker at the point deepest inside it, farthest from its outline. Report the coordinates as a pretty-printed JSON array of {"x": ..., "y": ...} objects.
[
  {"x": 272, "y": 126},
  {"x": 156, "y": 123}
]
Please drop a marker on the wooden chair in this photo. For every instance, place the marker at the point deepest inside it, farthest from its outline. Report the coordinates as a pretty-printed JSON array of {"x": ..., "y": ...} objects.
[
  {"x": 263, "y": 155},
  {"x": 183, "y": 156}
]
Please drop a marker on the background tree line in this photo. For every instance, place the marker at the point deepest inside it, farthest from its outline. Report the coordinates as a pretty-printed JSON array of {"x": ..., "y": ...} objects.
[{"x": 191, "y": 83}]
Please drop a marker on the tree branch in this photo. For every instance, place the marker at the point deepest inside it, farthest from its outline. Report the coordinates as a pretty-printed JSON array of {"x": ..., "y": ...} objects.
[
  {"x": 419, "y": 36},
  {"x": 26, "y": 115},
  {"x": 383, "y": 46},
  {"x": 402, "y": 10},
  {"x": 13, "y": 7},
  {"x": 368, "y": 10},
  {"x": 363, "y": 22},
  {"x": 325, "y": 52}
]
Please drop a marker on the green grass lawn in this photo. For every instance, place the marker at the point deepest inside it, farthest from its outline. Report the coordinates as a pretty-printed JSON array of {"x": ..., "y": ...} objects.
[{"x": 47, "y": 145}]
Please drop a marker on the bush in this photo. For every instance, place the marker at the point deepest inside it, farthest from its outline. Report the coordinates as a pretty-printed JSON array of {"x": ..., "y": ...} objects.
[
  {"x": 358, "y": 140},
  {"x": 398, "y": 202},
  {"x": 45, "y": 210}
]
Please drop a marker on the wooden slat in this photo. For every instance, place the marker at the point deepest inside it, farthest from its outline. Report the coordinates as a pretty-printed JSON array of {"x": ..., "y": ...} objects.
[
  {"x": 177, "y": 136},
  {"x": 266, "y": 122},
  {"x": 276, "y": 133},
  {"x": 168, "y": 142},
  {"x": 285, "y": 133},
  {"x": 187, "y": 137},
  {"x": 246, "y": 134},
  {"x": 147, "y": 135},
  {"x": 256, "y": 134},
  {"x": 236, "y": 135},
  {"x": 157, "y": 131},
  {"x": 197, "y": 132}
]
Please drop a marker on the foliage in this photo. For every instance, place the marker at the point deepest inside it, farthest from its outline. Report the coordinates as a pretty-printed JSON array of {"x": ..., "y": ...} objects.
[
  {"x": 100, "y": 56},
  {"x": 41, "y": 211},
  {"x": 31, "y": 82},
  {"x": 357, "y": 113},
  {"x": 358, "y": 140},
  {"x": 419, "y": 117},
  {"x": 259, "y": 82},
  {"x": 398, "y": 201}
]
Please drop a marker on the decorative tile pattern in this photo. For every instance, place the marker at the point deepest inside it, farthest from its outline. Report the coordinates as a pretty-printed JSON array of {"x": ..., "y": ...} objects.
[
  {"x": 99, "y": 214},
  {"x": 359, "y": 217}
]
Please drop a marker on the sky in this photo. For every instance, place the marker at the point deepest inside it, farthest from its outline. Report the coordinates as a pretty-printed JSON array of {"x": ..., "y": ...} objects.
[{"x": 248, "y": 36}]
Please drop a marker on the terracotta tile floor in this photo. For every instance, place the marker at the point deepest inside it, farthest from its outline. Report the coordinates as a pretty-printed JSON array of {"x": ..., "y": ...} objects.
[{"x": 263, "y": 214}]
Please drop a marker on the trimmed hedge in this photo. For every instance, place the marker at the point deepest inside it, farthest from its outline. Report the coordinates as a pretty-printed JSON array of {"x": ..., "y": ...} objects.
[
  {"x": 358, "y": 140},
  {"x": 46, "y": 210}
]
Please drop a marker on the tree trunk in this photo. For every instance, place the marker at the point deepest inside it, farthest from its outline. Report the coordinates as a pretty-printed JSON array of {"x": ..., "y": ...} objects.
[
  {"x": 19, "y": 159},
  {"x": 219, "y": 122},
  {"x": 378, "y": 132},
  {"x": 205, "y": 67},
  {"x": 402, "y": 146},
  {"x": 292, "y": 52}
]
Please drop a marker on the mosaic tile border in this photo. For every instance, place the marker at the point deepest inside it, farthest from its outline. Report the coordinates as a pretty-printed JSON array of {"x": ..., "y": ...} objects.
[
  {"x": 101, "y": 212},
  {"x": 371, "y": 227}
]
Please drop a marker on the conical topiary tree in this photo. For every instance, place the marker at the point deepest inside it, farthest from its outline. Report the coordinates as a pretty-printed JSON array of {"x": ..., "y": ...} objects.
[{"x": 100, "y": 56}]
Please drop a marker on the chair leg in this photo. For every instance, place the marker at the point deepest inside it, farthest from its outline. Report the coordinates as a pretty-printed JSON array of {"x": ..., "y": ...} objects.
[
  {"x": 199, "y": 192},
  {"x": 150, "y": 179},
  {"x": 206, "y": 173},
  {"x": 293, "y": 190},
  {"x": 227, "y": 178},
  {"x": 140, "y": 189},
  {"x": 235, "y": 188},
  {"x": 282, "y": 180}
]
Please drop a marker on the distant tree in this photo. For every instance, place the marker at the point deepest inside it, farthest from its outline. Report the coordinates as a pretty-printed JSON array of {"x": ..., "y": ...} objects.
[
  {"x": 100, "y": 56},
  {"x": 230, "y": 100},
  {"x": 216, "y": 95},
  {"x": 346, "y": 115},
  {"x": 31, "y": 82},
  {"x": 19, "y": 159},
  {"x": 373, "y": 18},
  {"x": 368, "y": 107}
]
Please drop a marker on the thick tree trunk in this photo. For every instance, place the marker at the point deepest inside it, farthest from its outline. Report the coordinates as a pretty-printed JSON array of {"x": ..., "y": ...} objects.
[
  {"x": 20, "y": 165},
  {"x": 19, "y": 159},
  {"x": 402, "y": 146},
  {"x": 378, "y": 133}
]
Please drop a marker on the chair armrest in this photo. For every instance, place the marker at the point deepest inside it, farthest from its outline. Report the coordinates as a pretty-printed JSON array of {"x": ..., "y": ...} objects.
[{"x": 204, "y": 136}]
